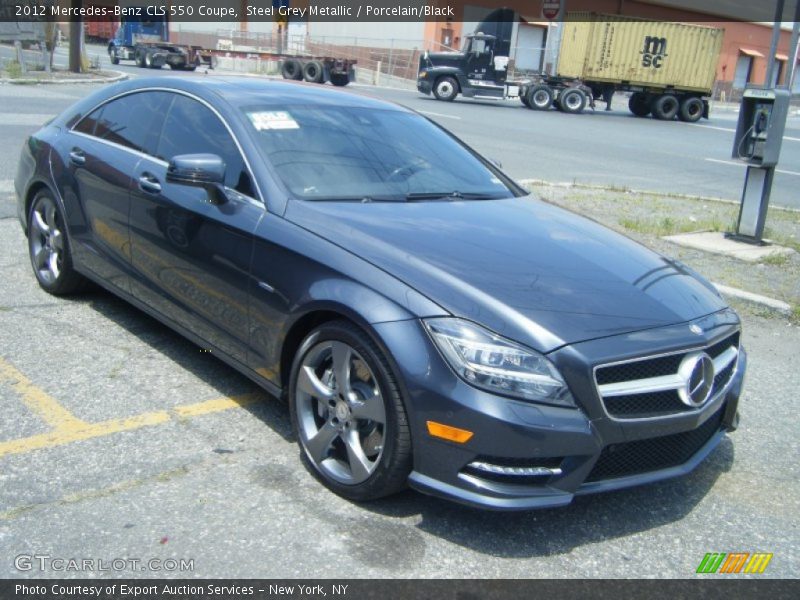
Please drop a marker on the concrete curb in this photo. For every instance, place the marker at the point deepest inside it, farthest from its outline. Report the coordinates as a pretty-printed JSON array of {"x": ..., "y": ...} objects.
[
  {"x": 120, "y": 76},
  {"x": 778, "y": 306}
]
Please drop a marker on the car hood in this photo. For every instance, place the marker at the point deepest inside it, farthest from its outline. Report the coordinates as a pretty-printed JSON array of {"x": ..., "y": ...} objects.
[{"x": 523, "y": 268}]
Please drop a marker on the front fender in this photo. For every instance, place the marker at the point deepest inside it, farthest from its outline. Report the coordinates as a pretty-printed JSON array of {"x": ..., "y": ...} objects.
[{"x": 435, "y": 72}]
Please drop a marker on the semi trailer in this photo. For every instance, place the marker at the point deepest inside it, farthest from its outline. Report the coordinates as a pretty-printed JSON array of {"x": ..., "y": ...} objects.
[{"x": 669, "y": 68}]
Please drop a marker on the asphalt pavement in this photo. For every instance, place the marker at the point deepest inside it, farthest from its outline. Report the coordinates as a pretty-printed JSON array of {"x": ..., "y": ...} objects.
[{"x": 122, "y": 440}]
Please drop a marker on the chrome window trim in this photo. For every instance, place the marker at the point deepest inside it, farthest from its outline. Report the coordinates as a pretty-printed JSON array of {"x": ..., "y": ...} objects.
[
  {"x": 674, "y": 415},
  {"x": 260, "y": 198}
]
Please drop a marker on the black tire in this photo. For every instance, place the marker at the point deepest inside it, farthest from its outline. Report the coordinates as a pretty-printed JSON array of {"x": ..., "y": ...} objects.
[
  {"x": 445, "y": 88},
  {"x": 112, "y": 56},
  {"x": 572, "y": 100},
  {"x": 639, "y": 104},
  {"x": 314, "y": 72},
  {"x": 691, "y": 110},
  {"x": 523, "y": 96},
  {"x": 292, "y": 69},
  {"x": 665, "y": 107},
  {"x": 340, "y": 79},
  {"x": 150, "y": 62},
  {"x": 389, "y": 471},
  {"x": 540, "y": 97},
  {"x": 139, "y": 59},
  {"x": 48, "y": 245}
]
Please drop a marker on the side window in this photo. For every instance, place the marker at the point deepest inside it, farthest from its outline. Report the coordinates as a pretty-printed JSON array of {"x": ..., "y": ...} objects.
[
  {"x": 88, "y": 123},
  {"x": 191, "y": 128},
  {"x": 133, "y": 121}
]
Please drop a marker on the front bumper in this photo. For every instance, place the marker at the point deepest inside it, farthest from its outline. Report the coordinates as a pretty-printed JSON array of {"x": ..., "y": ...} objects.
[
  {"x": 578, "y": 446},
  {"x": 424, "y": 85}
]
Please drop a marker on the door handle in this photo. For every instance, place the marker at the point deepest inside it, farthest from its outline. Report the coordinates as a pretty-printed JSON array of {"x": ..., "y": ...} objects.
[
  {"x": 77, "y": 156},
  {"x": 148, "y": 183}
]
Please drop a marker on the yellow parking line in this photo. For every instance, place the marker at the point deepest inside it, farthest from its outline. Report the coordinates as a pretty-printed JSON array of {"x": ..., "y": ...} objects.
[
  {"x": 86, "y": 431},
  {"x": 203, "y": 408},
  {"x": 37, "y": 400}
]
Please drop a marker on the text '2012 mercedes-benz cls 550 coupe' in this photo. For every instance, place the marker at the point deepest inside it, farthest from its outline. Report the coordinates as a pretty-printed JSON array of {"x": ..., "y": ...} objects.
[{"x": 429, "y": 322}]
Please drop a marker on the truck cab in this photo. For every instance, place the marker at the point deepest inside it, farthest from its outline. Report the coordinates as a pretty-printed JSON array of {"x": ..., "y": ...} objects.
[
  {"x": 479, "y": 70},
  {"x": 145, "y": 40}
]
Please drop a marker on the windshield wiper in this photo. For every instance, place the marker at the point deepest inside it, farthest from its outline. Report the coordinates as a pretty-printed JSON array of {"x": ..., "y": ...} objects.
[{"x": 454, "y": 195}]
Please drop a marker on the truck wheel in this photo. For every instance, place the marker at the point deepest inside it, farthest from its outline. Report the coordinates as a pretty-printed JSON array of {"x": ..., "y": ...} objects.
[
  {"x": 339, "y": 79},
  {"x": 540, "y": 97},
  {"x": 523, "y": 96},
  {"x": 639, "y": 104},
  {"x": 313, "y": 71},
  {"x": 691, "y": 109},
  {"x": 665, "y": 107},
  {"x": 292, "y": 69},
  {"x": 148, "y": 61},
  {"x": 572, "y": 100},
  {"x": 139, "y": 59},
  {"x": 445, "y": 88},
  {"x": 112, "y": 55}
]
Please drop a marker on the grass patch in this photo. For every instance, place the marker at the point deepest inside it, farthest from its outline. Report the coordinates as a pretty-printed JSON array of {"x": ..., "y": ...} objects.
[
  {"x": 13, "y": 70},
  {"x": 794, "y": 316},
  {"x": 669, "y": 226},
  {"x": 775, "y": 259}
]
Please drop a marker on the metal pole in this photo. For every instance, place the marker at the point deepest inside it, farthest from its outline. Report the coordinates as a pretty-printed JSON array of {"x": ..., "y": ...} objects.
[
  {"x": 792, "y": 66},
  {"x": 773, "y": 47}
]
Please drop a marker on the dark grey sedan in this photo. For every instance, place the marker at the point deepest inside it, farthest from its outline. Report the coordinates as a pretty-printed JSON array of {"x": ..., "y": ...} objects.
[{"x": 429, "y": 322}]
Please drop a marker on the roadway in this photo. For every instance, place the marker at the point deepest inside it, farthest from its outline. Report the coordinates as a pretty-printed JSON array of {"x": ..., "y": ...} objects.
[{"x": 607, "y": 148}]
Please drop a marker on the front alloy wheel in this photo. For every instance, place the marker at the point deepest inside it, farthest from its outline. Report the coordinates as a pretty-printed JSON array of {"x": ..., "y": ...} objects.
[{"x": 348, "y": 414}]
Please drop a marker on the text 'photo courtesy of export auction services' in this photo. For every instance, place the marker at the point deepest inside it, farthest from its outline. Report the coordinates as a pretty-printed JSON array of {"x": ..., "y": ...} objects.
[{"x": 181, "y": 590}]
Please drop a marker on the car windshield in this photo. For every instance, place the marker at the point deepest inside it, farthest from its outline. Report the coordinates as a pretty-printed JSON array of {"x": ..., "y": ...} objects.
[{"x": 324, "y": 152}]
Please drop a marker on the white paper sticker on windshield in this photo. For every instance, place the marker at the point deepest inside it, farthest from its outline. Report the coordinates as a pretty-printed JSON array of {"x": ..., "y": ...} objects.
[{"x": 278, "y": 119}]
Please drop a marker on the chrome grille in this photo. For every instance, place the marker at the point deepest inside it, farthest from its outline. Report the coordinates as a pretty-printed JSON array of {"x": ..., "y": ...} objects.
[{"x": 651, "y": 387}]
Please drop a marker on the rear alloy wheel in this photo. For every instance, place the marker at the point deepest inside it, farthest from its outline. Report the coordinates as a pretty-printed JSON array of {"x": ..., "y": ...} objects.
[
  {"x": 445, "y": 89},
  {"x": 348, "y": 415},
  {"x": 639, "y": 104},
  {"x": 665, "y": 107},
  {"x": 48, "y": 248},
  {"x": 691, "y": 109},
  {"x": 572, "y": 100},
  {"x": 540, "y": 97}
]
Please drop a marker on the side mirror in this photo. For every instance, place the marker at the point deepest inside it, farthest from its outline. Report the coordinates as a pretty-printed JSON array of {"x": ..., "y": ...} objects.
[{"x": 199, "y": 170}]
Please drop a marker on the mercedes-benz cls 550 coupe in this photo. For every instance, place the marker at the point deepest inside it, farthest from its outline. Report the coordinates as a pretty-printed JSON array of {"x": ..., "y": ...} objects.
[{"x": 429, "y": 322}]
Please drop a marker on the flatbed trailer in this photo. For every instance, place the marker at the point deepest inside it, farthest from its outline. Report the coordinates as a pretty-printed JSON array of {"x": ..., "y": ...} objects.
[{"x": 318, "y": 69}]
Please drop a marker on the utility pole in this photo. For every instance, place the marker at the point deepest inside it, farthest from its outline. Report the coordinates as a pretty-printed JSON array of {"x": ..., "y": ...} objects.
[
  {"x": 791, "y": 70},
  {"x": 75, "y": 27}
]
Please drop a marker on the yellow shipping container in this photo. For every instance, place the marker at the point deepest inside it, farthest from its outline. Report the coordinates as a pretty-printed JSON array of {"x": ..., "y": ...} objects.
[{"x": 635, "y": 52}]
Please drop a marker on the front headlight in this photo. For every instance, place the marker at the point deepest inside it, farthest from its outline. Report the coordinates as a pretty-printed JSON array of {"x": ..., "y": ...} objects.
[
  {"x": 423, "y": 74},
  {"x": 490, "y": 362}
]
